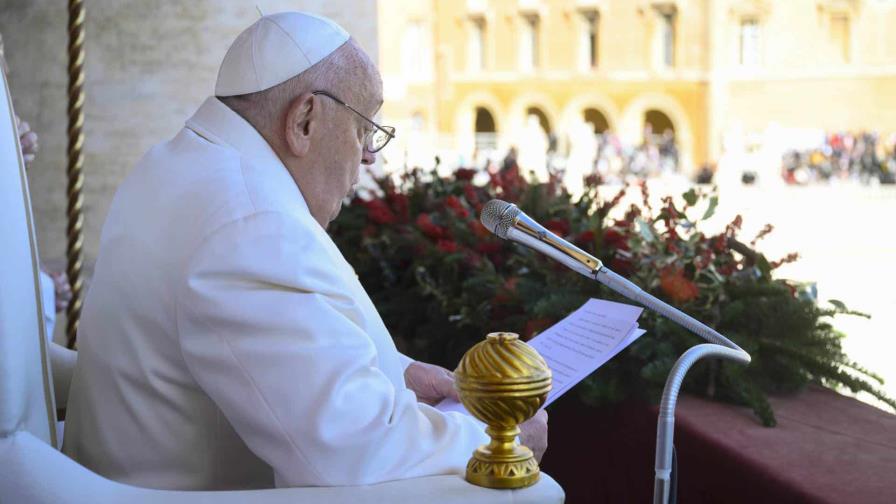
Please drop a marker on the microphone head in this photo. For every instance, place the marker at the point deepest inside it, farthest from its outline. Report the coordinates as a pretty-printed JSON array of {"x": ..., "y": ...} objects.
[{"x": 498, "y": 216}]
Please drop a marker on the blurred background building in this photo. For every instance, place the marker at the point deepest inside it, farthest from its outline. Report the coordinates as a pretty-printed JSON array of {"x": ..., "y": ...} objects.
[{"x": 470, "y": 79}]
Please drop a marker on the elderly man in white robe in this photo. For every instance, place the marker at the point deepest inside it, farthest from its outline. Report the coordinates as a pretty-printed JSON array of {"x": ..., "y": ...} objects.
[{"x": 225, "y": 342}]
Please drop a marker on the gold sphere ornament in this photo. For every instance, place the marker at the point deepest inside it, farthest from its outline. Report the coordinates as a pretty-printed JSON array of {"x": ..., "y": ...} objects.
[{"x": 503, "y": 382}]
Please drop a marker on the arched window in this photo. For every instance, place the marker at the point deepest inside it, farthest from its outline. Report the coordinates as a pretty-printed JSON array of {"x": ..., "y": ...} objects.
[
  {"x": 485, "y": 122},
  {"x": 597, "y": 120},
  {"x": 485, "y": 129},
  {"x": 659, "y": 133},
  {"x": 542, "y": 118},
  {"x": 657, "y": 122}
]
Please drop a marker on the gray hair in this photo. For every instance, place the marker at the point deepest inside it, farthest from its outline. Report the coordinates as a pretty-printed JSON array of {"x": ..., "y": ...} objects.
[{"x": 339, "y": 73}]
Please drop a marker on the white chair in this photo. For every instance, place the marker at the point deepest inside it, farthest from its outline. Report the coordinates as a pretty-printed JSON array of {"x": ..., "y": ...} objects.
[{"x": 35, "y": 375}]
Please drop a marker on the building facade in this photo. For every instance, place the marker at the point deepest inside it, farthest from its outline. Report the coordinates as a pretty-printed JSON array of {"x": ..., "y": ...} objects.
[{"x": 468, "y": 76}]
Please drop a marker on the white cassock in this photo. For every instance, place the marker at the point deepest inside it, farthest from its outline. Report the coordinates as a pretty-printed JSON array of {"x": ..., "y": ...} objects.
[{"x": 226, "y": 343}]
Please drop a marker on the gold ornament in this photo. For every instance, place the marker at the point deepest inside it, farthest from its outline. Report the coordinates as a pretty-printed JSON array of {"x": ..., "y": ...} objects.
[{"x": 503, "y": 382}]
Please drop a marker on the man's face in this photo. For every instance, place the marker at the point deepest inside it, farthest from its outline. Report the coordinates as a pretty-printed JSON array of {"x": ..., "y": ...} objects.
[
  {"x": 324, "y": 140},
  {"x": 345, "y": 147}
]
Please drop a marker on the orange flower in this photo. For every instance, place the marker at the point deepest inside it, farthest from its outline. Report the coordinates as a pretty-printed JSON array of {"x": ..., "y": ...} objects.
[
  {"x": 674, "y": 284},
  {"x": 479, "y": 230}
]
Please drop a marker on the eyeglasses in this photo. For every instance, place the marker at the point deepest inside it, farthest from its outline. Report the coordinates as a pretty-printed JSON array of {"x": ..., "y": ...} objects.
[{"x": 375, "y": 139}]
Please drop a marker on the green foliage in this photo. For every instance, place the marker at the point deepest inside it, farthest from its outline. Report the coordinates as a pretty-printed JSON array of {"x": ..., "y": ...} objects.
[{"x": 441, "y": 281}]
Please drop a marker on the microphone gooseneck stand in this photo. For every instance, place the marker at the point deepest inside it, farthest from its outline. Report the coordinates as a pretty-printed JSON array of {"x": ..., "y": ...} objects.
[{"x": 510, "y": 223}]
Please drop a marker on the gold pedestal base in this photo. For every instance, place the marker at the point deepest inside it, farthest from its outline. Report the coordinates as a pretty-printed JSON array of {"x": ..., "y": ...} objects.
[
  {"x": 502, "y": 381},
  {"x": 503, "y": 463}
]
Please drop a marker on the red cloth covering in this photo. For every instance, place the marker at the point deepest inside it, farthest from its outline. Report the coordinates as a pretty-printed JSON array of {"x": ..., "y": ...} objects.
[{"x": 827, "y": 448}]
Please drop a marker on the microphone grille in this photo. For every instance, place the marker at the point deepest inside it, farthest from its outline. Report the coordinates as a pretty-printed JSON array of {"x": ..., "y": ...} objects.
[{"x": 497, "y": 216}]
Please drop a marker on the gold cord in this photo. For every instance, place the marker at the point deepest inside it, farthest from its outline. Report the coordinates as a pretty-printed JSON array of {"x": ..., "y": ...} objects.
[{"x": 74, "y": 170}]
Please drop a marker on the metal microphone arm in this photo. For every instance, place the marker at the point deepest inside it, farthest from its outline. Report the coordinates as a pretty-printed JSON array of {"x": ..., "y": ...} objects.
[
  {"x": 568, "y": 258},
  {"x": 508, "y": 222},
  {"x": 721, "y": 347}
]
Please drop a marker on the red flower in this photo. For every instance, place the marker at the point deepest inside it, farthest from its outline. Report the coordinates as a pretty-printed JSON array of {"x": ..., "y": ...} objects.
[
  {"x": 457, "y": 207},
  {"x": 488, "y": 247},
  {"x": 633, "y": 213},
  {"x": 732, "y": 228},
  {"x": 470, "y": 194},
  {"x": 720, "y": 243},
  {"x": 430, "y": 229},
  {"x": 447, "y": 246},
  {"x": 509, "y": 183},
  {"x": 789, "y": 258},
  {"x": 703, "y": 260},
  {"x": 506, "y": 292},
  {"x": 584, "y": 238},
  {"x": 621, "y": 265},
  {"x": 615, "y": 240},
  {"x": 510, "y": 284},
  {"x": 400, "y": 204},
  {"x": 727, "y": 269},
  {"x": 473, "y": 259},
  {"x": 464, "y": 174},
  {"x": 674, "y": 284},
  {"x": 558, "y": 226},
  {"x": 378, "y": 211}
]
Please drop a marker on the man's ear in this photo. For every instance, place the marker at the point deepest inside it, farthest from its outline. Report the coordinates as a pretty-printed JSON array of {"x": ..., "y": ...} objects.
[{"x": 301, "y": 119}]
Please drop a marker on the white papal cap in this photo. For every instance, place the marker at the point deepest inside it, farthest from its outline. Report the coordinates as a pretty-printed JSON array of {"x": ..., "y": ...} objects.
[{"x": 275, "y": 49}]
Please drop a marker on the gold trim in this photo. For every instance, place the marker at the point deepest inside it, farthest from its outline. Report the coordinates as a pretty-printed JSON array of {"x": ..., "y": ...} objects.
[
  {"x": 502, "y": 381},
  {"x": 49, "y": 396}
]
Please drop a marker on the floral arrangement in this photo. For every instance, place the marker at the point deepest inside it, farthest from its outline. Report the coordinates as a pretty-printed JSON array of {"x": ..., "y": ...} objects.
[{"x": 442, "y": 281}]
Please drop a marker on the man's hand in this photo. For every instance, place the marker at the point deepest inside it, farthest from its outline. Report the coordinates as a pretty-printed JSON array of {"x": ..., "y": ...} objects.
[
  {"x": 63, "y": 290},
  {"x": 27, "y": 139},
  {"x": 431, "y": 383},
  {"x": 534, "y": 434}
]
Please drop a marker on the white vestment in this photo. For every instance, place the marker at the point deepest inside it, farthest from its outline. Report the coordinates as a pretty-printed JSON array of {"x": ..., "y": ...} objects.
[{"x": 226, "y": 343}]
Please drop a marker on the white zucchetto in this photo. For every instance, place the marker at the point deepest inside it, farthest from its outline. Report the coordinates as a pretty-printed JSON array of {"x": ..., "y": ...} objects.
[{"x": 275, "y": 49}]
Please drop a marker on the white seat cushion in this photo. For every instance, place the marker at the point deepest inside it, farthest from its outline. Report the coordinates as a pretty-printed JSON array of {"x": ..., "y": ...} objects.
[{"x": 35, "y": 473}]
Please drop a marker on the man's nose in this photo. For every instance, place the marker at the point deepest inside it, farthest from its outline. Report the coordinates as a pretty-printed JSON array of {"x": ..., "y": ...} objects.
[{"x": 368, "y": 158}]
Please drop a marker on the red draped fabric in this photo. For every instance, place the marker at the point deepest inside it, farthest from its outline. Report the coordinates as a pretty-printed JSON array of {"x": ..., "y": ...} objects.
[{"x": 827, "y": 448}]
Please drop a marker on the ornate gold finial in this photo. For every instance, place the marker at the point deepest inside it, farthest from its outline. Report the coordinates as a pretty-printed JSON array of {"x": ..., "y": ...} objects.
[{"x": 503, "y": 382}]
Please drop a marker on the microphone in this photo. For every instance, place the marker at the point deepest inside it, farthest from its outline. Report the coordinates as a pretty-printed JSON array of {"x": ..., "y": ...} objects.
[
  {"x": 507, "y": 221},
  {"x": 510, "y": 223}
]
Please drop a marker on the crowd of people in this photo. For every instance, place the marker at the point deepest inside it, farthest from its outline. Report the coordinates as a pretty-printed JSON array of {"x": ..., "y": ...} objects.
[
  {"x": 864, "y": 156},
  {"x": 616, "y": 161},
  {"x": 606, "y": 155}
]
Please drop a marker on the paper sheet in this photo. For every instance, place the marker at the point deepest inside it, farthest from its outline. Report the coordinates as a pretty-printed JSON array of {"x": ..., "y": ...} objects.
[{"x": 576, "y": 346}]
